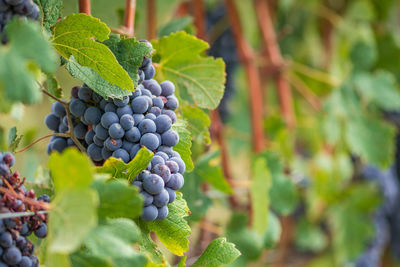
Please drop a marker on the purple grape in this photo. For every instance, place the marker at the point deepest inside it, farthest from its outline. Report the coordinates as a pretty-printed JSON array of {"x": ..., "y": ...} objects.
[
  {"x": 150, "y": 213},
  {"x": 168, "y": 88},
  {"x": 150, "y": 141},
  {"x": 112, "y": 144},
  {"x": 121, "y": 154},
  {"x": 127, "y": 122},
  {"x": 162, "y": 213},
  {"x": 161, "y": 199},
  {"x": 170, "y": 138},
  {"x": 133, "y": 135},
  {"x": 153, "y": 184}
]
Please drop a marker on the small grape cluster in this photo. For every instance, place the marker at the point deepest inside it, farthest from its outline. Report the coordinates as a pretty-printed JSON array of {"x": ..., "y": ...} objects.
[
  {"x": 11, "y": 8},
  {"x": 15, "y": 248},
  {"x": 120, "y": 127}
]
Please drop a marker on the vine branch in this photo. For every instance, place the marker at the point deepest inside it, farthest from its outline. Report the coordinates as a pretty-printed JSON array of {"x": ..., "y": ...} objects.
[
  {"x": 84, "y": 7},
  {"x": 129, "y": 17},
  {"x": 42, "y": 138},
  {"x": 151, "y": 19}
]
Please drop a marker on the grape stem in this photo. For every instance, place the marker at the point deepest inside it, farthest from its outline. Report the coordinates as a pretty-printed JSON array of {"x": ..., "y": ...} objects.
[
  {"x": 129, "y": 17},
  {"x": 32, "y": 202},
  {"x": 70, "y": 124},
  {"x": 42, "y": 138},
  {"x": 21, "y": 214},
  {"x": 84, "y": 6},
  {"x": 151, "y": 19}
]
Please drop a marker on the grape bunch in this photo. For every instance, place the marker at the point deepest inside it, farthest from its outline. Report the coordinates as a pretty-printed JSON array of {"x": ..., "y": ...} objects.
[
  {"x": 15, "y": 247},
  {"x": 11, "y": 8},
  {"x": 120, "y": 127}
]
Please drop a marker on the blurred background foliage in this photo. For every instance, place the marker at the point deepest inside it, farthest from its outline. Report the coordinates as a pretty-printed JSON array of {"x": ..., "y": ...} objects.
[{"x": 331, "y": 182}]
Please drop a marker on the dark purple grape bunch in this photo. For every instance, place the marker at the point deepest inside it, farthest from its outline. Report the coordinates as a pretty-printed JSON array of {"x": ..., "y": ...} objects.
[
  {"x": 21, "y": 8},
  {"x": 15, "y": 247}
]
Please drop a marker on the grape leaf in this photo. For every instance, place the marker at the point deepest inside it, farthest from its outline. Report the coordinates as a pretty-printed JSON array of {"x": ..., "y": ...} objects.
[
  {"x": 118, "y": 169},
  {"x": 82, "y": 259},
  {"x": 202, "y": 77},
  {"x": 113, "y": 241},
  {"x": 208, "y": 168},
  {"x": 218, "y": 253},
  {"x": 259, "y": 189},
  {"x": 174, "y": 230},
  {"x": 147, "y": 245},
  {"x": 175, "y": 25},
  {"x": 21, "y": 61},
  {"x": 94, "y": 81},
  {"x": 118, "y": 199},
  {"x": 52, "y": 86},
  {"x": 76, "y": 211},
  {"x": 76, "y": 36},
  {"x": 198, "y": 123},
  {"x": 51, "y": 10},
  {"x": 182, "y": 262},
  {"x": 272, "y": 235},
  {"x": 13, "y": 139},
  {"x": 129, "y": 53},
  {"x": 185, "y": 143},
  {"x": 70, "y": 170}
]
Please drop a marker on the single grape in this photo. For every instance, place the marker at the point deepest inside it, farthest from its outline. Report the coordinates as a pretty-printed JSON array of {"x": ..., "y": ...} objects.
[
  {"x": 138, "y": 184},
  {"x": 142, "y": 175},
  {"x": 140, "y": 104},
  {"x": 25, "y": 229},
  {"x": 133, "y": 135},
  {"x": 74, "y": 91},
  {"x": 167, "y": 88},
  {"x": 6, "y": 240},
  {"x": 80, "y": 131},
  {"x": 115, "y": 131},
  {"x": 162, "y": 213},
  {"x": 181, "y": 164},
  {"x": 170, "y": 114},
  {"x": 103, "y": 104},
  {"x": 145, "y": 63},
  {"x": 12, "y": 256},
  {"x": 112, "y": 144},
  {"x": 127, "y": 145},
  {"x": 85, "y": 93},
  {"x": 138, "y": 92},
  {"x": 98, "y": 141},
  {"x": 162, "y": 154},
  {"x": 158, "y": 102},
  {"x": 166, "y": 149},
  {"x": 21, "y": 242},
  {"x": 59, "y": 144},
  {"x": 147, "y": 92},
  {"x": 124, "y": 110},
  {"x": 175, "y": 154},
  {"x": 127, "y": 122},
  {"x": 172, "y": 103},
  {"x": 105, "y": 153},
  {"x": 109, "y": 118},
  {"x": 156, "y": 111},
  {"x": 161, "y": 199},
  {"x": 163, "y": 123},
  {"x": 138, "y": 118},
  {"x": 147, "y": 126},
  {"x": 25, "y": 262},
  {"x": 92, "y": 115},
  {"x": 52, "y": 122},
  {"x": 150, "y": 141},
  {"x": 148, "y": 199},
  {"x": 134, "y": 150},
  {"x": 63, "y": 128},
  {"x": 94, "y": 152},
  {"x": 89, "y": 136},
  {"x": 149, "y": 101},
  {"x": 70, "y": 142},
  {"x": 163, "y": 171},
  {"x": 176, "y": 181},
  {"x": 58, "y": 109},
  {"x": 110, "y": 107},
  {"x": 121, "y": 102},
  {"x": 149, "y": 72},
  {"x": 77, "y": 107},
  {"x": 170, "y": 138},
  {"x": 171, "y": 193},
  {"x": 101, "y": 132},
  {"x": 157, "y": 160},
  {"x": 173, "y": 166},
  {"x": 9, "y": 159},
  {"x": 121, "y": 154},
  {"x": 150, "y": 116},
  {"x": 153, "y": 184},
  {"x": 150, "y": 213},
  {"x": 153, "y": 87}
]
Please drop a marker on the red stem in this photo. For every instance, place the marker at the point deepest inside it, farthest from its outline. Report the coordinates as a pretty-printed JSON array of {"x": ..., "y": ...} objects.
[
  {"x": 129, "y": 17},
  {"x": 198, "y": 10},
  {"x": 151, "y": 19},
  {"x": 84, "y": 7},
  {"x": 275, "y": 58}
]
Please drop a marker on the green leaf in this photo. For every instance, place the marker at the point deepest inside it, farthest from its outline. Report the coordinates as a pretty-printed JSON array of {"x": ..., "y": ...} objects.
[
  {"x": 208, "y": 168},
  {"x": 52, "y": 86},
  {"x": 174, "y": 230},
  {"x": 76, "y": 36},
  {"x": 259, "y": 189},
  {"x": 148, "y": 247},
  {"x": 94, "y": 81},
  {"x": 198, "y": 123},
  {"x": 57, "y": 259},
  {"x": 21, "y": 61},
  {"x": 379, "y": 89},
  {"x": 310, "y": 237},
  {"x": 119, "y": 169},
  {"x": 185, "y": 143},
  {"x": 363, "y": 131},
  {"x": 175, "y": 25},
  {"x": 202, "y": 77},
  {"x": 70, "y": 170},
  {"x": 13, "y": 139},
  {"x": 273, "y": 233},
  {"x": 76, "y": 212},
  {"x": 118, "y": 199},
  {"x": 51, "y": 10},
  {"x": 82, "y": 259},
  {"x": 218, "y": 253},
  {"x": 129, "y": 53}
]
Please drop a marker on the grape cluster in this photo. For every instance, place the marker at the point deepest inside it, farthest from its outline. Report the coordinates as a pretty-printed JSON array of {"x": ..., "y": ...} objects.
[
  {"x": 11, "y": 8},
  {"x": 146, "y": 70},
  {"x": 120, "y": 127},
  {"x": 15, "y": 248}
]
